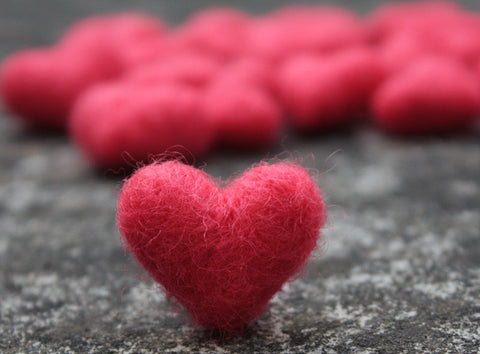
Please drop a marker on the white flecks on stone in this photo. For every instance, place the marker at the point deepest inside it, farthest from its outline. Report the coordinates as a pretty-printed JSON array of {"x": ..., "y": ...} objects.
[
  {"x": 392, "y": 247},
  {"x": 438, "y": 290},
  {"x": 464, "y": 188},
  {"x": 20, "y": 195},
  {"x": 376, "y": 180},
  {"x": 341, "y": 313},
  {"x": 3, "y": 244},
  {"x": 99, "y": 291},
  {"x": 406, "y": 315},
  {"x": 384, "y": 224},
  {"x": 345, "y": 237},
  {"x": 179, "y": 348},
  {"x": 278, "y": 334},
  {"x": 143, "y": 293},
  {"x": 35, "y": 280},
  {"x": 435, "y": 246},
  {"x": 364, "y": 319},
  {"x": 33, "y": 166},
  {"x": 378, "y": 280},
  {"x": 468, "y": 216},
  {"x": 468, "y": 332},
  {"x": 400, "y": 266}
]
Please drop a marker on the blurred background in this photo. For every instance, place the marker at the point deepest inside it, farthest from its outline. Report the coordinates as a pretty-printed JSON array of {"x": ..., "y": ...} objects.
[
  {"x": 400, "y": 271},
  {"x": 28, "y": 23}
]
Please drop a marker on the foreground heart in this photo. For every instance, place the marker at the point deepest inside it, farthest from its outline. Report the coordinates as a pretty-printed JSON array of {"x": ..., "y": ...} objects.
[{"x": 221, "y": 253}]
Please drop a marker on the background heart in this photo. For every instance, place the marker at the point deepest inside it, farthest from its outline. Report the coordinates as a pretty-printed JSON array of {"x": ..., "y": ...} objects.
[{"x": 221, "y": 253}]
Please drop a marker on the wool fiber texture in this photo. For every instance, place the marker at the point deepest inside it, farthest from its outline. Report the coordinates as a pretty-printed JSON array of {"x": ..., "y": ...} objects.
[{"x": 222, "y": 253}]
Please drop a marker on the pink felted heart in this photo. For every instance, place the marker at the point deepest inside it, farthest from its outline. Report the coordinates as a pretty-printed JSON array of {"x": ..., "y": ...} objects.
[
  {"x": 432, "y": 95},
  {"x": 41, "y": 85},
  {"x": 216, "y": 31},
  {"x": 296, "y": 30},
  {"x": 221, "y": 253},
  {"x": 330, "y": 91},
  {"x": 115, "y": 120},
  {"x": 247, "y": 117}
]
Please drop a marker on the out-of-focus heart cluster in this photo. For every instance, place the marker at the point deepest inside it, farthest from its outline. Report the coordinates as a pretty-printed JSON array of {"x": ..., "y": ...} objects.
[{"x": 128, "y": 84}]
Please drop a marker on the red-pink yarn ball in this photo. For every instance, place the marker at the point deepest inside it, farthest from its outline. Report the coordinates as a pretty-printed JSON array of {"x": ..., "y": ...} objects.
[
  {"x": 432, "y": 95},
  {"x": 115, "y": 125}
]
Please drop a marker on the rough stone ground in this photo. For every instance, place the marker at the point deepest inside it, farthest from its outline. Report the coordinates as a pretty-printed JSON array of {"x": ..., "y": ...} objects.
[{"x": 400, "y": 272}]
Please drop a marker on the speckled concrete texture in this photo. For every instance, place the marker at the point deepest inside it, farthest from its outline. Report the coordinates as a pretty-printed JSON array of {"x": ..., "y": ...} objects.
[{"x": 400, "y": 272}]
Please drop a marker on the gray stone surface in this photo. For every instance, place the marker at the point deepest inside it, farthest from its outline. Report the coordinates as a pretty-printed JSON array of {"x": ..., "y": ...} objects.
[{"x": 400, "y": 271}]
